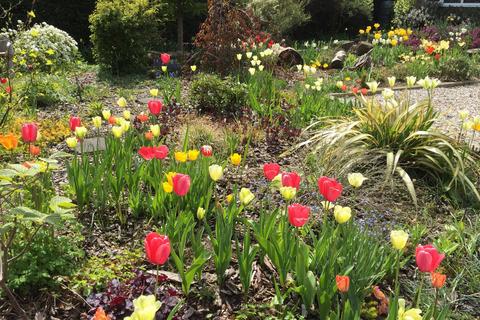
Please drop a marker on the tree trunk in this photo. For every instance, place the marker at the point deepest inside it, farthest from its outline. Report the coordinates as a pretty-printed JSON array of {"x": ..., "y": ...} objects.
[{"x": 180, "y": 31}]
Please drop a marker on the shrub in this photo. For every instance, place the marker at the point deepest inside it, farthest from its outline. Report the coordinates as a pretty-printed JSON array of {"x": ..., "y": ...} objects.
[
  {"x": 398, "y": 137},
  {"x": 122, "y": 33},
  {"x": 455, "y": 68},
  {"x": 280, "y": 16},
  {"x": 43, "y": 46},
  {"x": 210, "y": 93}
]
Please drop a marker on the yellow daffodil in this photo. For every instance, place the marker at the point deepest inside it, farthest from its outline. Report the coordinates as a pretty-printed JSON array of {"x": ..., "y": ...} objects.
[
  {"x": 288, "y": 193},
  {"x": 246, "y": 196},
  {"x": 216, "y": 172},
  {"x": 155, "y": 129},
  {"x": 71, "y": 142},
  {"x": 192, "y": 155},
  {"x": 377, "y": 36},
  {"x": 236, "y": 159},
  {"x": 356, "y": 179},
  {"x": 399, "y": 239},
  {"x": 342, "y": 214}
]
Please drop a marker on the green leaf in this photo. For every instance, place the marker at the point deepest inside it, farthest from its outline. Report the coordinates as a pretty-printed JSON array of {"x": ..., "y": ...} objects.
[
  {"x": 60, "y": 204},
  {"x": 409, "y": 183}
]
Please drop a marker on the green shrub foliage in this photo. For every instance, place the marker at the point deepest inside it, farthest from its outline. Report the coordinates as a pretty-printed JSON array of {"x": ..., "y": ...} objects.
[
  {"x": 211, "y": 93},
  {"x": 122, "y": 33}
]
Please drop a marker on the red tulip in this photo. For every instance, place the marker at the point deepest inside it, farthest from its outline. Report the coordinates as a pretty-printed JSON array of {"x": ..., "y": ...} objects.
[
  {"x": 181, "y": 184},
  {"x": 438, "y": 280},
  {"x": 364, "y": 91},
  {"x": 344, "y": 87},
  {"x": 29, "y": 132},
  {"x": 343, "y": 283},
  {"x": 165, "y": 57},
  {"x": 291, "y": 179},
  {"x": 146, "y": 153},
  {"x": 329, "y": 188},
  {"x": 3, "y": 80},
  {"x": 155, "y": 106},
  {"x": 298, "y": 214},
  {"x": 271, "y": 170},
  {"x": 75, "y": 122},
  {"x": 160, "y": 152},
  {"x": 428, "y": 258},
  {"x": 355, "y": 90},
  {"x": 34, "y": 150},
  {"x": 437, "y": 56},
  {"x": 157, "y": 248},
  {"x": 8, "y": 89},
  {"x": 206, "y": 150}
]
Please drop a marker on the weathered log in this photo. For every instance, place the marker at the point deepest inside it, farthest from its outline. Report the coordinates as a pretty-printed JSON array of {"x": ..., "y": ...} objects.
[
  {"x": 289, "y": 57},
  {"x": 338, "y": 60},
  {"x": 363, "y": 47},
  {"x": 365, "y": 61}
]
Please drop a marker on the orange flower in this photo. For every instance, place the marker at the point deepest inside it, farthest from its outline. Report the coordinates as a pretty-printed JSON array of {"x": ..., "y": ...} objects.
[
  {"x": 9, "y": 141},
  {"x": 149, "y": 135},
  {"x": 343, "y": 283},
  {"x": 34, "y": 150},
  {"x": 100, "y": 315},
  {"x": 438, "y": 280}
]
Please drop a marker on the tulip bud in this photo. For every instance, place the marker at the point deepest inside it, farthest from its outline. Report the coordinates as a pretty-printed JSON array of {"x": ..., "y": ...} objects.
[
  {"x": 399, "y": 239},
  {"x": 200, "y": 213},
  {"x": 229, "y": 198},
  {"x": 373, "y": 86},
  {"x": 122, "y": 102},
  {"x": 391, "y": 81},
  {"x": 117, "y": 131},
  {"x": 411, "y": 81},
  {"x": 216, "y": 172},
  {"x": 164, "y": 68},
  {"x": 155, "y": 129},
  {"x": 438, "y": 280},
  {"x": 97, "y": 122},
  {"x": 246, "y": 196},
  {"x": 343, "y": 283},
  {"x": 288, "y": 193},
  {"x": 154, "y": 92},
  {"x": 71, "y": 142},
  {"x": 80, "y": 132}
]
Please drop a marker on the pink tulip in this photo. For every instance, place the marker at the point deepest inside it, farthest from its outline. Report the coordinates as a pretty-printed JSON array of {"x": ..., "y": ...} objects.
[
  {"x": 29, "y": 132},
  {"x": 157, "y": 248},
  {"x": 160, "y": 152},
  {"x": 271, "y": 170},
  {"x": 298, "y": 214},
  {"x": 291, "y": 179},
  {"x": 181, "y": 184},
  {"x": 329, "y": 188},
  {"x": 155, "y": 107},
  {"x": 75, "y": 122},
  {"x": 165, "y": 57},
  {"x": 428, "y": 258}
]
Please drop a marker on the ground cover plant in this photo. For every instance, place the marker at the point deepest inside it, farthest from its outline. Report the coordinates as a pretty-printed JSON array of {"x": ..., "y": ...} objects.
[{"x": 249, "y": 177}]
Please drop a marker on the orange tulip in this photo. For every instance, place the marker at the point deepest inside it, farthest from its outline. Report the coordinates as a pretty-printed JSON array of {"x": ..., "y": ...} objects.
[
  {"x": 343, "y": 283},
  {"x": 438, "y": 280},
  {"x": 9, "y": 141},
  {"x": 100, "y": 314},
  {"x": 149, "y": 135},
  {"x": 34, "y": 150}
]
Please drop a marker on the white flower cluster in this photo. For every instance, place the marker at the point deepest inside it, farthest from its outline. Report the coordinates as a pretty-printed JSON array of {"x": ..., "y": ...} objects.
[{"x": 42, "y": 46}]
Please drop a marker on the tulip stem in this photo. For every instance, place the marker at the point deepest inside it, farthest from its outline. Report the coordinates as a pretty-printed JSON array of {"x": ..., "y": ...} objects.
[
  {"x": 419, "y": 291},
  {"x": 435, "y": 304},
  {"x": 156, "y": 280},
  {"x": 397, "y": 283}
]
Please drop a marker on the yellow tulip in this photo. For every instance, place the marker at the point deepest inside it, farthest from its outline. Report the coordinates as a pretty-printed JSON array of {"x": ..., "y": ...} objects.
[
  {"x": 376, "y": 25},
  {"x": 246, "y": 196},
  {"x": 251, "y": 71},
  {"x": 155, "y": 129},
  {"x": 411, "y": 81},
  {"x": 97, "y": 122},
  {"x": 288, "y": 193},
  {"x": 378, "y": 35},
  {"x": 193, "y": 68},
  {"x": 342, "y": 214},
  {"x": 216, "y": 172},
  {"x": 356, "y": 179},
  {"x": 399, "y": 239},
  {"x": 192, "y": 155},
  {"x": 394, "y": 42},
  {"x": 117, "y": 131},
  {"x": 361, "y": 31},
  {"x": 71, "y": 142},
  {"x": 200, "y": 213},
  {"x": 164, "y": 68},
  {"x": 106, "y": 114},
  {"x": 146, "y": 308},
  {"x": 81, "y": 132},
  {"x": 122, "y": 102},
  {"x": 411, "y": 314},
  {"x": 181, "y": 156},
  {"x": 236, "y": 159},
  {"x": 167, "y": 187},
  {"x": 391, "y": 81},
  {"x": 239, "y": 56},
  {"x": 125, "y": 125},
  {"x": 154, "y": 92},
  {"x": 230, "y": 198},
  {"x": 127, "y": 114},
  {"x": 373, "y": 86}
]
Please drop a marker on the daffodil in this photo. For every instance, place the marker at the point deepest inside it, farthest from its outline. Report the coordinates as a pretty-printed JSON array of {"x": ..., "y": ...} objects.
[{"x": 246, "y": 196}]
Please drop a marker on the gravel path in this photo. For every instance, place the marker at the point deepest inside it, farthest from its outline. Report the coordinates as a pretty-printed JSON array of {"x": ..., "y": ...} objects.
[{"x": 449, "y": 101}]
